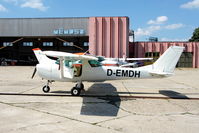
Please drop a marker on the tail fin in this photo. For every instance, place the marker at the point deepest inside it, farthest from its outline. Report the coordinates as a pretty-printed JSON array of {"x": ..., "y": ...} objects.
[
  {"x": 167, "y": 62},
  {"x": 40, "y": 56}
]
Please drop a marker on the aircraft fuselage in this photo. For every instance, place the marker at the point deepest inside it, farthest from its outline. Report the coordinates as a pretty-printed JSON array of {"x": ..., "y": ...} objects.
[{"x": 101, "y": 73}]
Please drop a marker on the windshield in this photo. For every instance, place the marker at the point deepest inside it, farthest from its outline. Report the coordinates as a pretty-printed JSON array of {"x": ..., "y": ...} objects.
[{"x": 94, "y": 63}]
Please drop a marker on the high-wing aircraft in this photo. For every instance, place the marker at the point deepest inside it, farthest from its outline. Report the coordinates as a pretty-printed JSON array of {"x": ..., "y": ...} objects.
[{"x": 79, "y": 68}]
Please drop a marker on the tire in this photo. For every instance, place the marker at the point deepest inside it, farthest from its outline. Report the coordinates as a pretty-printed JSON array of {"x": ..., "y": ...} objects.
[
  {"x": 75, "y": 91},
  {"x": 46, "y": 89},
  {"x": 80, "y": 86}
]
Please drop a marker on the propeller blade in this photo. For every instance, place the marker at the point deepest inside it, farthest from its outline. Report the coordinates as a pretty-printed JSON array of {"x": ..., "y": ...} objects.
[{"x": 34, "y": 73}]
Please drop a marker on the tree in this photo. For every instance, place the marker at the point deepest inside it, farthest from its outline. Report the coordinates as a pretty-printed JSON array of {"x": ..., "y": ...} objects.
[{"x": 195, "y": 36}]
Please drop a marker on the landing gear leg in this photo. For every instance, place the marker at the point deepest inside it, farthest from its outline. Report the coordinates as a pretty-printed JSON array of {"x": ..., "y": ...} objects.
[
  {"x": 46, "y": 88},
  {"x": 75, "y": 91},
  {"x": 80, "y": 85}
]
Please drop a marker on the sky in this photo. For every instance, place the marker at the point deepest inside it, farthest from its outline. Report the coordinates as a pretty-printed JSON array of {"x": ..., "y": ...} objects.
[{"x": 168, "y": 20}]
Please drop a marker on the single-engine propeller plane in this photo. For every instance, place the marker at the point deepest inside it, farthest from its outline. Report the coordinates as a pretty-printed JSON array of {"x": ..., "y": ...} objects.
[{"x": 79, "y": 68}]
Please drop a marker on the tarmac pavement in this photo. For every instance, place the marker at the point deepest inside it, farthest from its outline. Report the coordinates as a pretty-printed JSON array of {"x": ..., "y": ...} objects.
[{"x": 105, "y": 107}]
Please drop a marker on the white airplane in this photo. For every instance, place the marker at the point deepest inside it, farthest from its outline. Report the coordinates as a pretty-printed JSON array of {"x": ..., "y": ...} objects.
[{"x": 79, "y": 68}]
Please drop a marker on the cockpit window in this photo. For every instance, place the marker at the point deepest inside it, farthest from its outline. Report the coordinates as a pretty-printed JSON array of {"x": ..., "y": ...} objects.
[
  {"x": 94, "y": 63},
  {"x": 69, "y": 63},
  {"x": 57, "y": 62}
]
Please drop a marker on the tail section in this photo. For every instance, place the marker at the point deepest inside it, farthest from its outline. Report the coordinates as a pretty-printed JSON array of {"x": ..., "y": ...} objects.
[
  {"x": 42, "y": 58},
  {"x": 167, "y": 62}
]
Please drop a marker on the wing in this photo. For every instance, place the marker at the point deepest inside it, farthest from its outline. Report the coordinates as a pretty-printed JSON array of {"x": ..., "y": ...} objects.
[{"x": 69, "y": 56}]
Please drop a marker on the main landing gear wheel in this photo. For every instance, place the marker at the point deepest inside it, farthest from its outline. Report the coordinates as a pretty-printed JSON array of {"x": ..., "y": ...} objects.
[
  {"x": 75, "y": 91},
  {"x": 46, "y": 89}
]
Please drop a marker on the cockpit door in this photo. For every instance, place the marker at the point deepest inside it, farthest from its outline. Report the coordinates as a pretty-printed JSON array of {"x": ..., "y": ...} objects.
[
  {"x": 67, "y": 69},
  {"x": 68, "y": 72}
]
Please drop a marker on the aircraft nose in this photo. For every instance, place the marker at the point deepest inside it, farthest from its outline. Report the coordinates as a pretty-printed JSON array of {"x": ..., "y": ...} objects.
[{"x": 44, "y": 70}]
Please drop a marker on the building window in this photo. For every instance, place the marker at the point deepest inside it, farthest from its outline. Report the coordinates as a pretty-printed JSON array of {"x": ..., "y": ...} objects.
[
  {"x": 67, "y": 43},
  {"x": 48, "y": 44},
  {"x": 28, "y": 44},
  {"x": 5, "y": 44},
  {"x": 86, "y": 44}
]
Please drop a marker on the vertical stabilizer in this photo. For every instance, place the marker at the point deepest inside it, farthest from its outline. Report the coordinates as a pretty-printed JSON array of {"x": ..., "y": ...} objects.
[{"x": 167, "y": 62}]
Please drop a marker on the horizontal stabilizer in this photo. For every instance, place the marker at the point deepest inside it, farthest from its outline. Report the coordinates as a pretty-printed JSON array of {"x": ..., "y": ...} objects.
[{"x": 160, "y": 74}]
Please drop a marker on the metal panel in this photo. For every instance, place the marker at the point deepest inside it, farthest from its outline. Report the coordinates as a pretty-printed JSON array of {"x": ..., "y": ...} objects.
[
  {"x": 108, "y": 36},
  {"x": 14, "y": 27}
]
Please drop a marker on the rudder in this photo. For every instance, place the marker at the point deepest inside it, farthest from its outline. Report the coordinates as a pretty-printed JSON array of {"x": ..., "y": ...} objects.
[{"x": 167, "y": 62}]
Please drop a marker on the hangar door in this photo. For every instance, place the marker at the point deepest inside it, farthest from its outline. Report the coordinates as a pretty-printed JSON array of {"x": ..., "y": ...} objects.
[{"x": 186, "y": 60}]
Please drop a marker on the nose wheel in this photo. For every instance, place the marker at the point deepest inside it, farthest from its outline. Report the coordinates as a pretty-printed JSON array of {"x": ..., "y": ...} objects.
[
  {"x": 75, "y": 91},
  {"x": 46, "y": 88}
]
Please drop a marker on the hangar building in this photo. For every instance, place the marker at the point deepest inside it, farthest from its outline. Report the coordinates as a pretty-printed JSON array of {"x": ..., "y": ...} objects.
[{"x": 106, "y": 36}]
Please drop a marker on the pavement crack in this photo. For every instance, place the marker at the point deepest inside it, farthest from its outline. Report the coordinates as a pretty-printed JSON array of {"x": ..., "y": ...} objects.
[
  {"x": 108, "y": 127},
  {"x": 29, "y": 89},
  {"x": 45, "y": 112},
  {"x": 38, "y": 124},
  {"x": 116, "y": 118},
  {"x": 115, "y": 101},
  {"x": 184, "y": 108},
  {"x": 53, "y": 114},
  {"x": 182, "y": 83},
  {"x": 126, "y": 89}
]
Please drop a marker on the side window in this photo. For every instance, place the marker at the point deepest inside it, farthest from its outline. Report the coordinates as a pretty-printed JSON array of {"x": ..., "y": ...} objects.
[
  {"x": 94, "y": 63},
  {"x": 5, "y": 44},
  {"x": 67, "y": 44},
  {"x": 29, "y": 44},
  {"x": 46, "y": 44},
  {"x": 67, "y": 63},
  {"x": 86, "y": 44}
]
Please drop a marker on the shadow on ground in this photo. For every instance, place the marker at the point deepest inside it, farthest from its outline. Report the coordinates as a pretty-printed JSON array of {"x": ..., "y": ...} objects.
[
  {"x": 173, "y": 94},
  {"x": 105, "y": 106}
]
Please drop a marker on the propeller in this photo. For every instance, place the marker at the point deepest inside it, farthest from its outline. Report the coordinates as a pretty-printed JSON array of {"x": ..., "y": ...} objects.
[{"x": 35, "y": 70}]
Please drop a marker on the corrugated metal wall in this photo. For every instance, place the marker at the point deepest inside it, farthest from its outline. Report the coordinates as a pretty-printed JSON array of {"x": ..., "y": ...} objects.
[
  {"x": 15, "y": 27},
  {"x": 108, "y": 36},
  {"x": 138, "y": 49}
]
